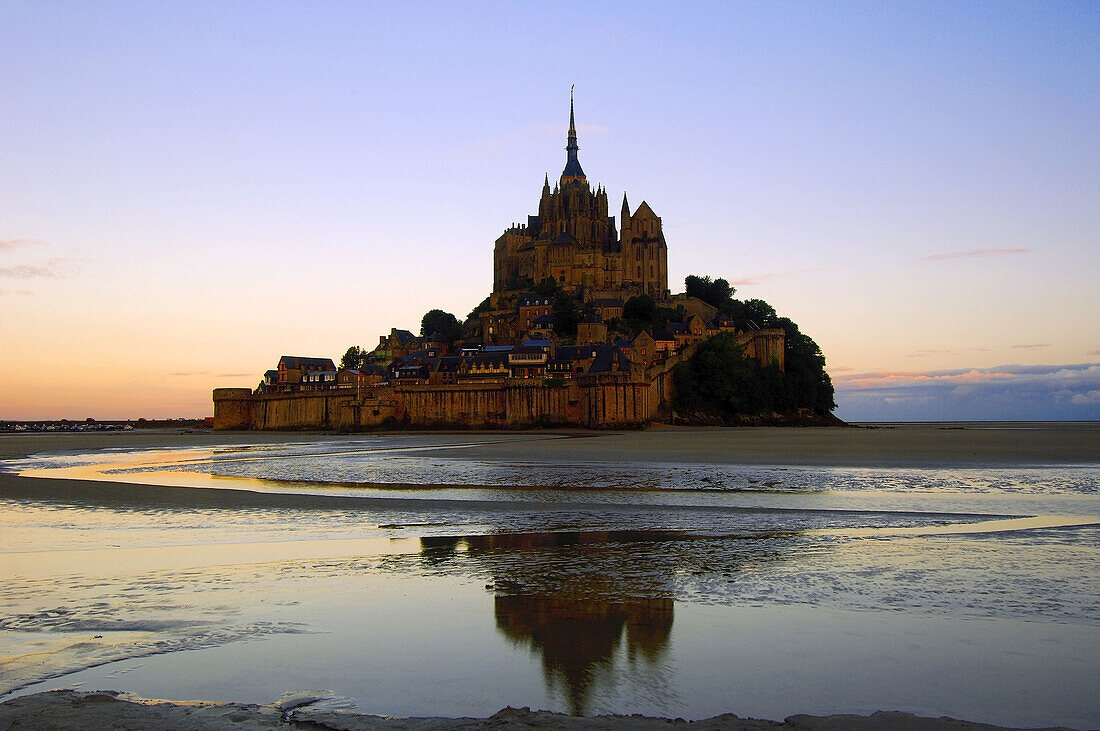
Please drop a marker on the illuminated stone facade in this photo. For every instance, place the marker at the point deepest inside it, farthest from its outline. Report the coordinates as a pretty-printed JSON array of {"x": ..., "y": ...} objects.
[{"x": 575, "y": 241}]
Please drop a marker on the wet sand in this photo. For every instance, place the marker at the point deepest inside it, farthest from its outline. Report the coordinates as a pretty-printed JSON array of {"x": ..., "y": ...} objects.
[
  {"x": 901, "y": 445},
  {"x": 971, "y": 445},
  {"x": 66, "y": 709}
]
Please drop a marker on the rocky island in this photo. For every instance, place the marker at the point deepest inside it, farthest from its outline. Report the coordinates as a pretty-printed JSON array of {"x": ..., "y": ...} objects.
[{"x": 581, "y": 329}]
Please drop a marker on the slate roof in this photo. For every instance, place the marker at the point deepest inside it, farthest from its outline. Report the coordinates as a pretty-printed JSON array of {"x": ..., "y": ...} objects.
[
  {"x": 449, "y": 364},
  {"x": 606, "y": 355},
  {"x": 547, "y": 320},
  {"x": 572, "y": 168},
  {"x": 297, "y": 362},
  {"x": 496, "y": 358}
]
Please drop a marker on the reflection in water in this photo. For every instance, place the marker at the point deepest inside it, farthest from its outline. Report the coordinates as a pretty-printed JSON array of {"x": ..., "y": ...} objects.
[
  {"x": 565, "y": 596},
  {"x": 579, "y": 639}
]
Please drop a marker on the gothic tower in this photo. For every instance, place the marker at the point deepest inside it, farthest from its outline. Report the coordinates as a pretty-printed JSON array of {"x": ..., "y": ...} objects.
[{"x": 574, "y": 240}]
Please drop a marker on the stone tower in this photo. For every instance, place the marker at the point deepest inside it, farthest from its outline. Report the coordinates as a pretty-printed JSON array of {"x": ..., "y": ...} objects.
[{"x": 574, "y": 240}]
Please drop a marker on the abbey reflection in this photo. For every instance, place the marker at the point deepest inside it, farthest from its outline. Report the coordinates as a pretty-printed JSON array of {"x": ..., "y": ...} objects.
[{"x": 578, "y": 601}]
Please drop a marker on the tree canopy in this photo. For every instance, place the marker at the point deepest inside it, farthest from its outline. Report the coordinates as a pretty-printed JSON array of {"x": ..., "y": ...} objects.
[
  {"x": 715, "y": 292},
  {"x": 444, "y": 323},
  {"x": 642, "y": 312},
  {"x": 354, "y": 358},
  {"x": 566, "y": 315},
  {"x": 743, "y": 386}
]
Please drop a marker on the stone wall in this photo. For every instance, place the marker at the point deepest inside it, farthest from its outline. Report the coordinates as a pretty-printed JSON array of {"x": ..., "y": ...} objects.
[
  {"x": 516, "y": 403},
  {"x": 233, "y": 408},
  {"x": 766, "y": 346}
]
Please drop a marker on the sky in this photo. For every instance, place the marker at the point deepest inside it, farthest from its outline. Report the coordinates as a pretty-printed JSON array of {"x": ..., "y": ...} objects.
[{"x": 189, "y": 191}]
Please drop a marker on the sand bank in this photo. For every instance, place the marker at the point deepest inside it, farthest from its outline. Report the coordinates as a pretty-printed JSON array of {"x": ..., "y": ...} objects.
[
  {"x": 67, "y": 709},
  {"x": 940, "y": 446},
  {"x": 901, "y": 445}
]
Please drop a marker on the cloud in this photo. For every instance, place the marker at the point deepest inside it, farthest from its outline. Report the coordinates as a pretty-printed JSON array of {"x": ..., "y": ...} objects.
[
  {"x": 755, "y": 279},
  {"x": 881, "y": 379},
  {"x": 1093, "y": 352},
  {"x": 55, "y": 268},
  {"x": 9, "y": 244},
  {"x": 1081, "y": 399},
  {"x": 1008, "y": 392},
  {"x": 1032, "y": 346},
  {"x": 923, "y": 353},
  {"x": 972, "y": 253},
  {"x": 17, "y": 292}
]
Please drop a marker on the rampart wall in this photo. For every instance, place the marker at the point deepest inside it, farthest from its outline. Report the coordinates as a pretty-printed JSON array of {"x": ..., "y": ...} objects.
[{"x": 593, "y": 402}]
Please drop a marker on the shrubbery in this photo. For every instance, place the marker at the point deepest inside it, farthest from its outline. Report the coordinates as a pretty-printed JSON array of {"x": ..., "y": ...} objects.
[{"x": 719, "y": 379}]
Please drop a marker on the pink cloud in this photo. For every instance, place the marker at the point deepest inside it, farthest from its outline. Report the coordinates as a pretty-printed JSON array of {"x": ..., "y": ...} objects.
[
  {"x": 908, "y": 378},
  {"x": 8, "y": 244},
  {"x": 1032, "y": 346},
  {"x": 970, "y": 253},
  {"x": 52, "y": 269}
]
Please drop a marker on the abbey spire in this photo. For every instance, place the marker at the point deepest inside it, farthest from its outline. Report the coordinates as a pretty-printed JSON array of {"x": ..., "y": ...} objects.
[{"x": 573, "y": 171}]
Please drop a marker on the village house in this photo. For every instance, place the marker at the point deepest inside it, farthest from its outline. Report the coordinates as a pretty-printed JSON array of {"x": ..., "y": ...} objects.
[
  {"x": 292, "y": 368},
  {"x": 591, "y": 330}
]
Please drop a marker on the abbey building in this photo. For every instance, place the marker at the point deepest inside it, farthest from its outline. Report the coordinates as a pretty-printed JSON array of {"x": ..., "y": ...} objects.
[
  {"x": 572, "y": 351},
  {"x": 575, "y": 241}
]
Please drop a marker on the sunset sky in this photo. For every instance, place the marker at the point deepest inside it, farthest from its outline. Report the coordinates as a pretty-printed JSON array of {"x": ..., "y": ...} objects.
[{"x": 190, "y": 190}]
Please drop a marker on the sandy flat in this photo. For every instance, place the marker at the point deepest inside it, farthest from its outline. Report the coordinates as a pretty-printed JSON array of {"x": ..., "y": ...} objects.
[
  {"x": 67, "y": 709},
  {"x": 904, "y": 445}
]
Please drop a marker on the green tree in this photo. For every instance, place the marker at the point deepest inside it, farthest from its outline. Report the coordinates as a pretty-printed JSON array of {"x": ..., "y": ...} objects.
[
  {"x": 444, "y": 323},
  {"x": 566, "y": 315},
  {"x": 354, "y": 358},
  {"x": 546, "y": 288},
  {"x": 807, "y": 384},
  {"x": 720, "y": 379},
  {"x": 715, "y": 292},
  {"x": 642, "y": 313},
  {"x": 639, "y": 312},
  {"x": 759, "y": 312},
  {"x": 482, "y": 307}
]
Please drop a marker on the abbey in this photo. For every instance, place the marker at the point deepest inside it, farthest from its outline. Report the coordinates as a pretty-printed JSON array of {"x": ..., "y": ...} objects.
[
  {"x": 573, "y": 240},
  {"x": 559, "y": 341}
]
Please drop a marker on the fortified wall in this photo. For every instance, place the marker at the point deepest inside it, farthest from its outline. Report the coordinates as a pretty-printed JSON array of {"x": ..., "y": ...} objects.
[{"x": 594, "y": 403}]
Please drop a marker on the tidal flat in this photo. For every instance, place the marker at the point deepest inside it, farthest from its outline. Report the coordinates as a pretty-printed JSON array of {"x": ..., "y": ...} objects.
[{"x": 937, "y": 569}]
